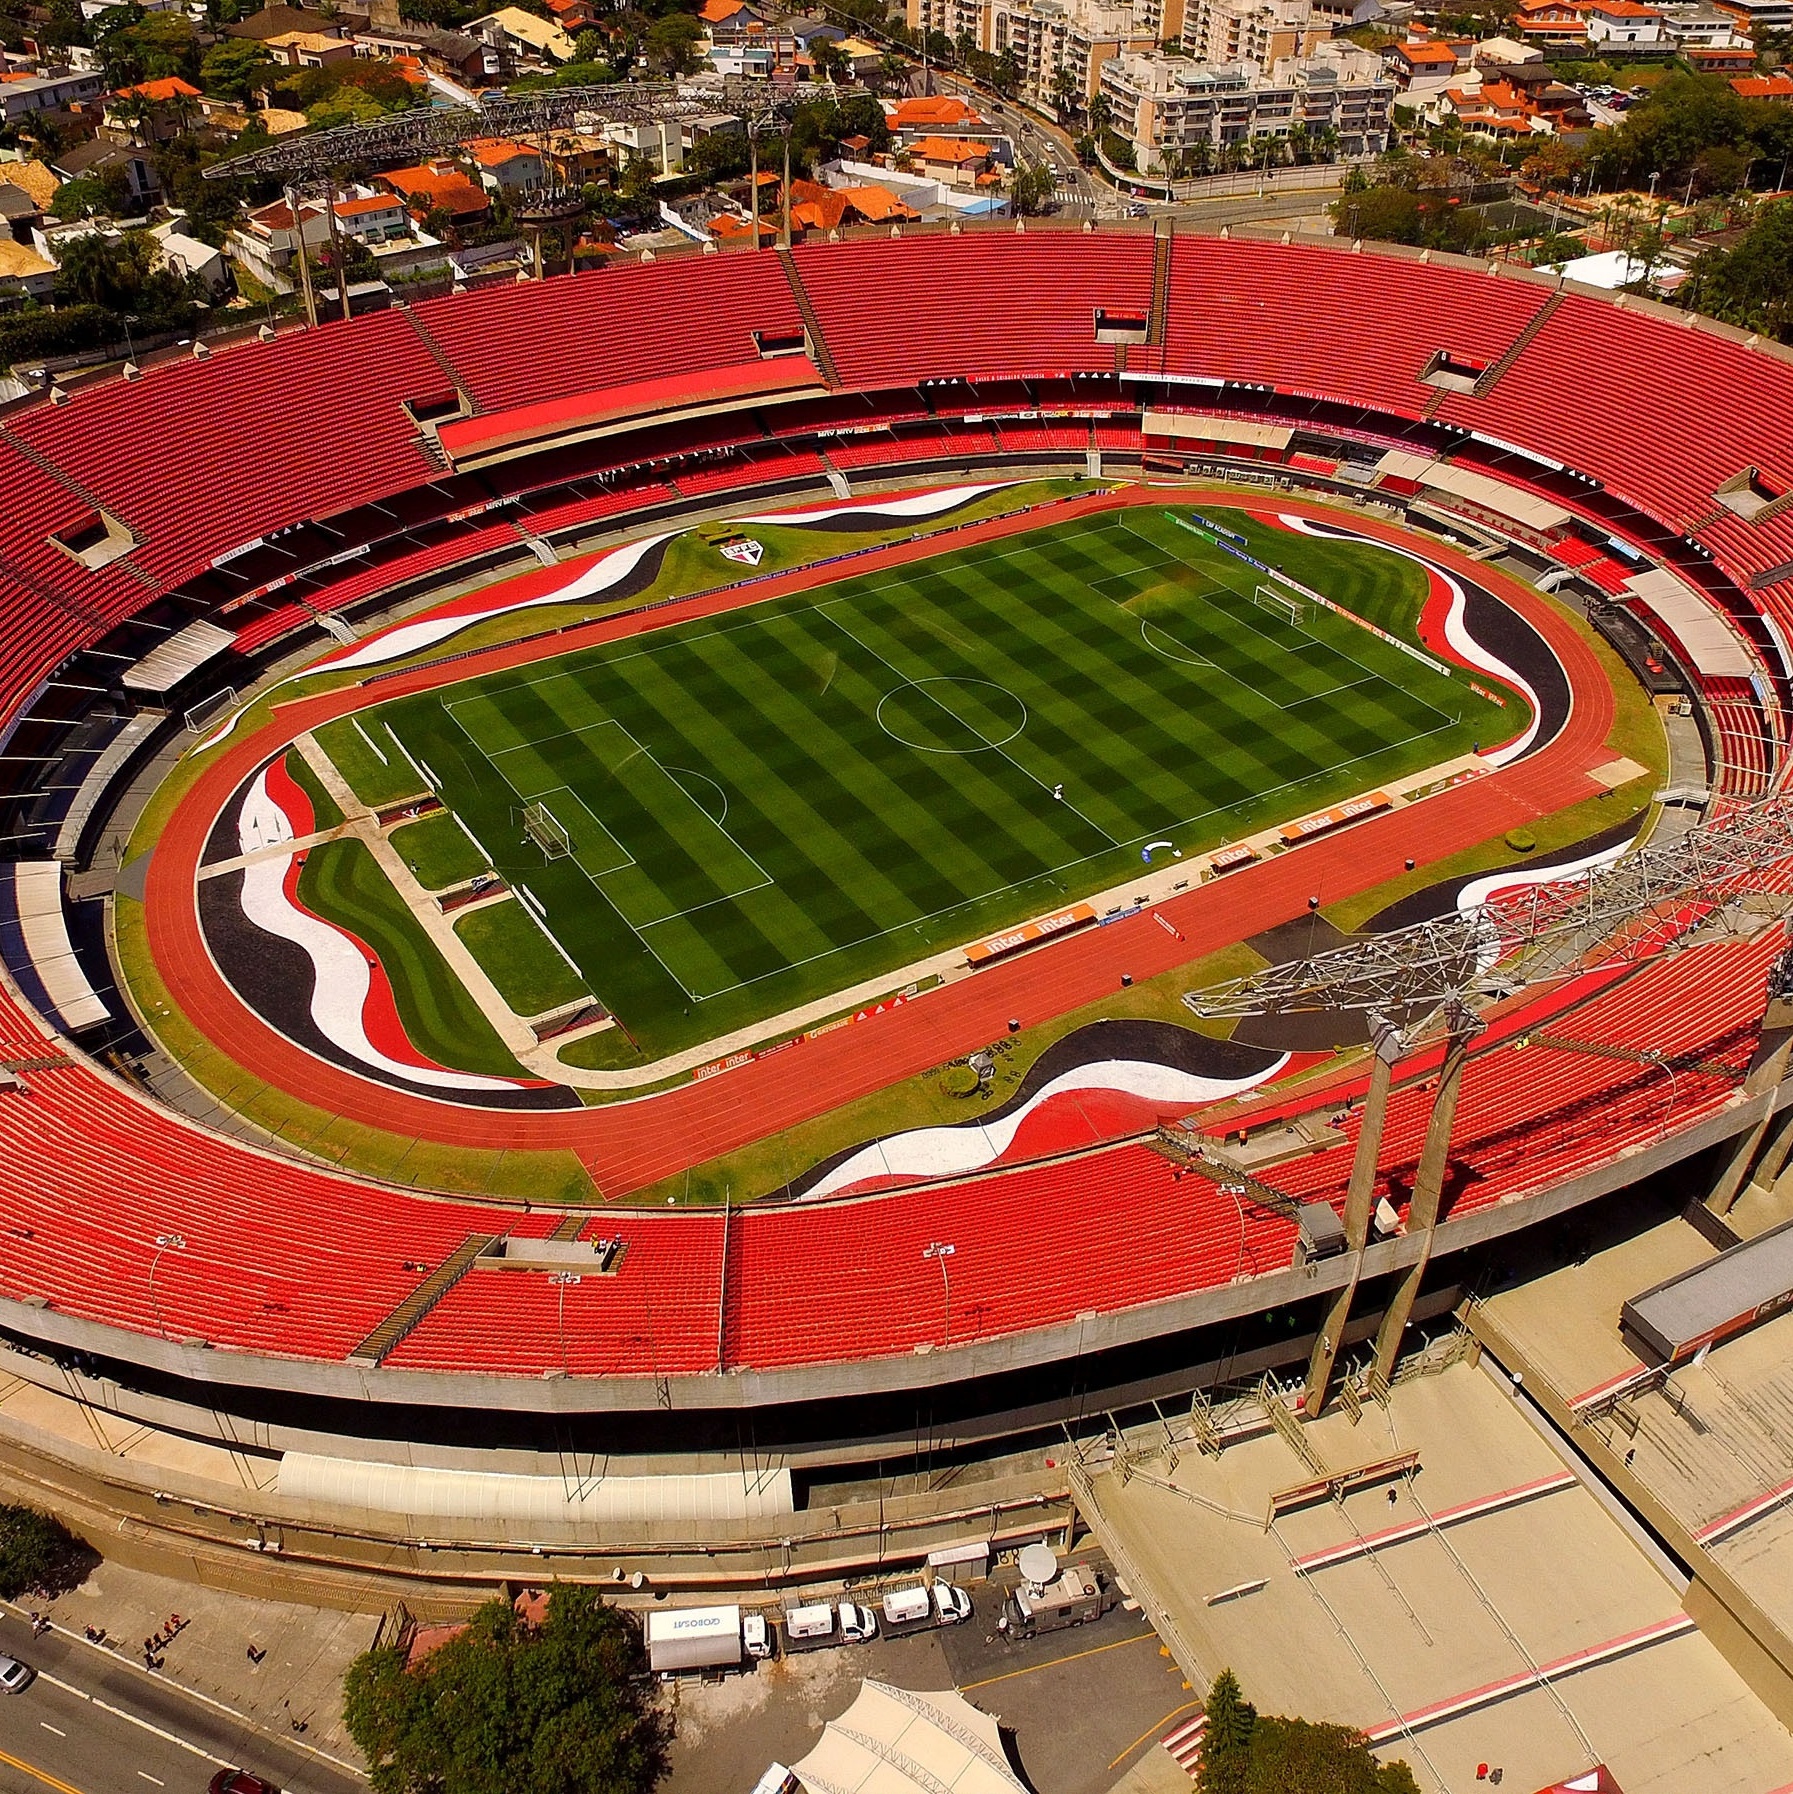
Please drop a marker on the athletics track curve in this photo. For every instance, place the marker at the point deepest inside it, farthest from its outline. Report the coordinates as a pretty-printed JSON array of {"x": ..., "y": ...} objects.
[{"x": 629, "y": 1145}]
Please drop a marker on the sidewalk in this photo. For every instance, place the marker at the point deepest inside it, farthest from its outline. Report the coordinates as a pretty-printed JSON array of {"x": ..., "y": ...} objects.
[{"x": 299, "y": 1680}]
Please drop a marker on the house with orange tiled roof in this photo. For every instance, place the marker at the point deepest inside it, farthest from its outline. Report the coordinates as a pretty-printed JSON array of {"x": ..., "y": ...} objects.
[
  {"x": 1412, "y": 61},
  {"x": 573, "y": 16},
  {"x": 1497, "y": 109},
  {"x": 953, "y": 161},
  {"x": 1549, "y": 24},
  {"x": 931, "y": 112},
  {"x": 374, "y": 217},
  {"x": 877, "y": 205},
  {"x": 151, "y": 111},
  {"x": 437, "y": 186},
  {"x": 1777, "y": 87},
  {"x": 506, "y": 167},
  {"x": 1621, "y": 22}
]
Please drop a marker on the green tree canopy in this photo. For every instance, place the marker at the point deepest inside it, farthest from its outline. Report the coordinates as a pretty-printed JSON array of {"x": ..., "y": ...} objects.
[
  {"x": 671, "y": 43},
  {"x": 1750, "y": 284},
  {"x": 507, "y": 1708},
  {"x": 1244, "y": 1752},
  {"x": 236, "y": 69},
  {"x": 38, "y": 1555}
]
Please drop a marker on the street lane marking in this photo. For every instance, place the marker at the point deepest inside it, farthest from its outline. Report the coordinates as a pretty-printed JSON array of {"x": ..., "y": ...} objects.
[
  {"x": 152, "y": 1778},
  {"x": 42, "y": 1775},
  {"x": 1053, "y": 1662},
  {"x": 192, "y": 1694},
  {"x": 93, "y": 1700},
  {"x": 60, "y": 1733}
]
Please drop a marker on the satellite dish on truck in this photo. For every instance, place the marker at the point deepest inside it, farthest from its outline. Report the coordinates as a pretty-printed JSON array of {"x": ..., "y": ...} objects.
[{"x": 1038, "y": 1565}]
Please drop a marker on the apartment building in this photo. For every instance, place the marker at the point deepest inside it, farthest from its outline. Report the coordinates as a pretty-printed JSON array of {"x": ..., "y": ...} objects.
[{"x": 1174, "y": 109}]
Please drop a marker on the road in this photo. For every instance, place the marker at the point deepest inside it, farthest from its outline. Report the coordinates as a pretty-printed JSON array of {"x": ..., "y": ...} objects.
[{"x": 93, "y": 1724}]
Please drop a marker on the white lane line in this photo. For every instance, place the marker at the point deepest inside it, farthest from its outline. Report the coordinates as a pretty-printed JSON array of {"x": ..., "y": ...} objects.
[
  {"x": 145, "y": 1774},
  {"x": 60, "y": 1733},
  {"x": 93, "y": 1700},
  {"x": 191, "y": 1694}
]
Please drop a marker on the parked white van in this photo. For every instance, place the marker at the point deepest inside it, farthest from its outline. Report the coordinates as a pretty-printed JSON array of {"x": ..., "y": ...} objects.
[
  {"x": 904, "y": 1606},
  {"x": 804, "y": 1623},
  {"x": 858, "y": 1625}
]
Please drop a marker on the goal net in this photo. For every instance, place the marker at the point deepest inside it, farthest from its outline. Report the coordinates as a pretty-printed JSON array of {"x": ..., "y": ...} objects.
[
  {"x": 547, "y": 831},
  {"x": 207, "y": 708},
  {"x": 1291, "y": 610}
]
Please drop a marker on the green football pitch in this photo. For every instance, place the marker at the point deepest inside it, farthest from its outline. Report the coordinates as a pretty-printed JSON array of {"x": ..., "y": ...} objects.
[{"x": 770, "y": 805}]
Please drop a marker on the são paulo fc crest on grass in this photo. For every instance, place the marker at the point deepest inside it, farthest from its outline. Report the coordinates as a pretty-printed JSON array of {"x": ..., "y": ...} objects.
[{"x": 743, "y": 549}]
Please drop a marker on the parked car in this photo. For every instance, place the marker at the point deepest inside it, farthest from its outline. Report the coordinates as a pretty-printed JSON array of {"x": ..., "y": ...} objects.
[
  {"x": 14, "y": 1675},
  {"x": 239, "y": 1781},
  {"x": 858, "y": 1625}
]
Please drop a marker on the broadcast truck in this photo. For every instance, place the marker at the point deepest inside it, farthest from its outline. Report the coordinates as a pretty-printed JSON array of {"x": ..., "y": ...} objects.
[{"x": 699, "y": 1638}]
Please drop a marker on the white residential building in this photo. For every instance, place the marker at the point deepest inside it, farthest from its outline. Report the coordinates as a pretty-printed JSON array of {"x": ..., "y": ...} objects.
[
  {"x": 1168, "y": 107},
  {"x": 1044, "y": 36}
]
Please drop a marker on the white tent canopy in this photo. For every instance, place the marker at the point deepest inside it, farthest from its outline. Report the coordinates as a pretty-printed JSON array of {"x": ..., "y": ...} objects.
[{"x": 895, "y": 1741}]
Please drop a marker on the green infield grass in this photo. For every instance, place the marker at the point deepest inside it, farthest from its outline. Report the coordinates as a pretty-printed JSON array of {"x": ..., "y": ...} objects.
[{"x": 755, "y": 810}]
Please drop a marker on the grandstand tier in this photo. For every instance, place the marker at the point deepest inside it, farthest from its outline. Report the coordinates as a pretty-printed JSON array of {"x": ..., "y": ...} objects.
[{"x": 203, "y": 466}]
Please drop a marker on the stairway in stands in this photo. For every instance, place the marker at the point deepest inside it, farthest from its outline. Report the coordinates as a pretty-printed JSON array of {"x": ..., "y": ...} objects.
[
  {"x": 440, "y": 356},
  {"x": 812, "y": 324},
  {"x": 1517, "y": 347},
  {"x": 410, "y": 1312},
  {"x": 1160, "y": 290}
]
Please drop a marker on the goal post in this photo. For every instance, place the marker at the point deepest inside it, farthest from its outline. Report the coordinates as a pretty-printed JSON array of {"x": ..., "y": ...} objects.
[
  {"x": 546, "y": 831},
  {"x": 1292, "y": 610},
  {"x": 207, "y": 708}
]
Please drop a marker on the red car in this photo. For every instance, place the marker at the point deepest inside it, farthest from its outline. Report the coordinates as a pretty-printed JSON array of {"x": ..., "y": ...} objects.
[{"x": 239, "y": 1781}]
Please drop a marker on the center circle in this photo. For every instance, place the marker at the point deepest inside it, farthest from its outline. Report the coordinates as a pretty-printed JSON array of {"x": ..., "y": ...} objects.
[{"x": 948, "y": 715}]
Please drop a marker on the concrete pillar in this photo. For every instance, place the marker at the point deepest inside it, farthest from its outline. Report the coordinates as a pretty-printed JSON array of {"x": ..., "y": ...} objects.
[
  {"x": 753, "y": 181},
  {"x": 342, "y": 273},
  {"x": 1774, "y": 1154},
  {"x": 1358, "y": 1199},
  {"x": 1428, "y": 1188},
  {"x": 784, "y": 235},
  {"x": 311, "y": 304},
  {"x": 1765, "y": 1075}
]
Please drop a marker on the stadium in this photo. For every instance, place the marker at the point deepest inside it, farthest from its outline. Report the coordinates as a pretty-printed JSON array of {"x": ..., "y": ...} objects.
[{"x": 604, "y": 876}]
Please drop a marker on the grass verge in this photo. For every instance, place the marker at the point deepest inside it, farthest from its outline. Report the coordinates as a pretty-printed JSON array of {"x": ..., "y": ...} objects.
[
  {"x": 518, "y": 958},
  {"x": 438, "y": 851}
]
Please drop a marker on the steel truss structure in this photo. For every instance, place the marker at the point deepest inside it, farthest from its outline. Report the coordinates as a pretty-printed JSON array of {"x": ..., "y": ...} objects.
[
  {"x": 1613, "y": 915},
  {"x": 426, "y": 131}
]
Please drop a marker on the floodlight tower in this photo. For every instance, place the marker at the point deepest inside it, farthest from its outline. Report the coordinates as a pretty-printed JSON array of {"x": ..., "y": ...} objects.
[{"x": 1417, "y": 981}]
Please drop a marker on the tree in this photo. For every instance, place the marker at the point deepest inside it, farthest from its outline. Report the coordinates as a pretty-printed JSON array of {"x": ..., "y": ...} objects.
[
  {"x": 1030, "y": 188},
  {"x": 347, "y": 106},
  {"x": 104, "y": 195},
  {"x": 39, "y": 1555},
  {"x": 507, "y": 1707},
  {"x": 1226, "y": 1740},
  {"x": 588, "y": 46},
  {"x": 236, "y": 69},
  {"x": 671, "y": 43},
  {"x": 1751, "y": 283},
  {"x": 1066, "y": 93},
  {"x": 1291, "y": 1756}
]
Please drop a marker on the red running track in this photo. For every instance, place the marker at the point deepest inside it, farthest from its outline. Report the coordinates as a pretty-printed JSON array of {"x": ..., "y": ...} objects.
[{"x": 627, "y": 1146}]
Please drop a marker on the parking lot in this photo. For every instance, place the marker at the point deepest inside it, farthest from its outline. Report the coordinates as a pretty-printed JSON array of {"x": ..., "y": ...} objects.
[{"x": 1082, "y": 1704}]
